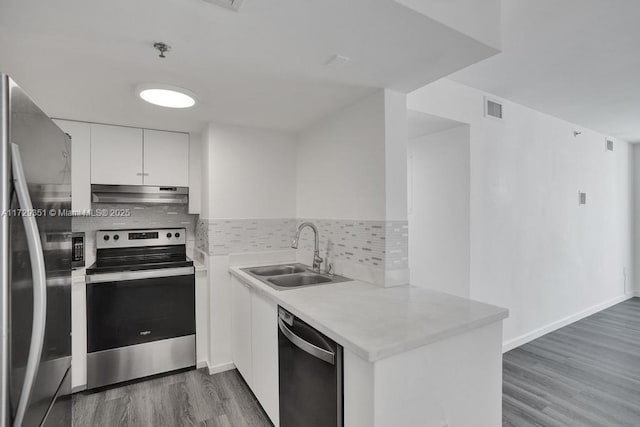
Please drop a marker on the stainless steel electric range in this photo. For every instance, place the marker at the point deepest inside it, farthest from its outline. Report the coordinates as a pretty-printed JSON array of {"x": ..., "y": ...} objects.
[{"x": 140, "y": 305}]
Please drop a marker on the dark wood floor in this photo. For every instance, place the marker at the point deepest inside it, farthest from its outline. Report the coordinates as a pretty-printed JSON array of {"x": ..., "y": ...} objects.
[
  {"x": 191, "y": 398},
  {"x": 585, "y": 374}
]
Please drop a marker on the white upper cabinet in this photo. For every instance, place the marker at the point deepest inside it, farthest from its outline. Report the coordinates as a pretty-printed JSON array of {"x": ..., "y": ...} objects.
[
  {"x": 116, "y": 155},
  {"x": 166, "y": 158},
  {"x": 80, "y": 133},
  {"x": 132, "y": 156}
]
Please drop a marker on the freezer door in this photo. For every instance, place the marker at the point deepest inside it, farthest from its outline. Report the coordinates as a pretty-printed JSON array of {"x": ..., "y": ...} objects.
[{"x": 46, "y": 158}]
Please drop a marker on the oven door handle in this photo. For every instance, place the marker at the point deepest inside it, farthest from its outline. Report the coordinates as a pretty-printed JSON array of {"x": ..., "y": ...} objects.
[
  {"x": 38, "y": 271},
  {"x": 139, "y": 274},
  {"x": 313, "y": 350}
]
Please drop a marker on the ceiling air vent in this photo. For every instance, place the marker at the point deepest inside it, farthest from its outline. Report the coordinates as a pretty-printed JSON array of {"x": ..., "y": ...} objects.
[
  {"x": 492, "y": 109},
  {"x": 609, "y": 145},
  {"x": 228, "y": 4}
]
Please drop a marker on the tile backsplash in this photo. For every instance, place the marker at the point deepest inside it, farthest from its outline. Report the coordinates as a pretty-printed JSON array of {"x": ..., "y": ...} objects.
[
  {"x": 375, "y": 244},
  {"x": 141, "y": 216},
  {"x": 227, "y": 236}
]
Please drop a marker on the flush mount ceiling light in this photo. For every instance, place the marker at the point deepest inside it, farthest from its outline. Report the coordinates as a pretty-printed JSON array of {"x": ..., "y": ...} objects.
[{"x": 166, "y": 95}]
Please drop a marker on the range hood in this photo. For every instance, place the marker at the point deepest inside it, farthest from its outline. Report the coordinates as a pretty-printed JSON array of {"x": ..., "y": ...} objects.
[{"x": 146, "y": 194}]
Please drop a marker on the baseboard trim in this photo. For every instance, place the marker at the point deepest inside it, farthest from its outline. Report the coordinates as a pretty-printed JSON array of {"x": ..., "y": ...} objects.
[
  {"x": 220, "y": 368},
  {"x": 523, "y": 339}
]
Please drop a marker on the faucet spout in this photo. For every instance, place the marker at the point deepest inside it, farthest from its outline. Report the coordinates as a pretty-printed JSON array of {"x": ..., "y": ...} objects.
[{"x": 317, "y": 259}]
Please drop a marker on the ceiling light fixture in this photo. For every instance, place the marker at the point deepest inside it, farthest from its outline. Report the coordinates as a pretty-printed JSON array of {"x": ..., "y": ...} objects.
[
  {"x": 166, "y": 95},
  {"x": 162, "y": 48}
]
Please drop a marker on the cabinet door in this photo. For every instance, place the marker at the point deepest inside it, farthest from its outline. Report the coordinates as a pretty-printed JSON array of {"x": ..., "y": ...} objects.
[
  {"x": 78, "y": 332},
  {"x": 241, "y": 328},
  {"x": 116, "y": 155},
  {"x": 166, "y": 158},
  {"x": 264, "y": 346},
  {"x": 80, "y": 133}
]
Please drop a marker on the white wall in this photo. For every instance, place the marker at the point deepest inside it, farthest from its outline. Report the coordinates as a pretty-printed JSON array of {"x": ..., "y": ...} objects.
[
  {"x": 395, "y": 162},
  {"x": 341, "y": 161},
  {"x": 353, "y": 166},
  {"x": 251, "y": 173},
  {"x": 533, "y": 249},
  {"x": 247, "y": 173},
  {"x": 439, "y": 215},
  {"x": 195, "y": 173}
]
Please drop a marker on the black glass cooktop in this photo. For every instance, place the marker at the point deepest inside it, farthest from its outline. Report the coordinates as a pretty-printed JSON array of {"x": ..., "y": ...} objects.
[{"x": 132, "y": 259}]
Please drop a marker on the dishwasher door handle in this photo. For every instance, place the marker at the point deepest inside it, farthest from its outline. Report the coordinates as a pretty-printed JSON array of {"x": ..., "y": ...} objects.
[{"x": 313, "y": 350}]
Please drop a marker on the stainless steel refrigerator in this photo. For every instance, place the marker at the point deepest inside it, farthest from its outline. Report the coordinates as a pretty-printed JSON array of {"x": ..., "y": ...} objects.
[{"x": 35, "y": 246}]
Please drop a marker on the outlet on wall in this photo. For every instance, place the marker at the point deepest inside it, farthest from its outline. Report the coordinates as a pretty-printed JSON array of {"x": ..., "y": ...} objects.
[{"x": 582, "y": 198}]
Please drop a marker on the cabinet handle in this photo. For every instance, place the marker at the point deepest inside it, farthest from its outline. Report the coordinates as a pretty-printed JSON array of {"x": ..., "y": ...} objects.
[{"x": 142, "y": 174}]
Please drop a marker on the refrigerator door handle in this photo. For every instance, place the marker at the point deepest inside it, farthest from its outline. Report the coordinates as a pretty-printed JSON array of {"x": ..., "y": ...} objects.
[
  {"x": 38, "y": 271},
  {"x": 305, "y": 346}
]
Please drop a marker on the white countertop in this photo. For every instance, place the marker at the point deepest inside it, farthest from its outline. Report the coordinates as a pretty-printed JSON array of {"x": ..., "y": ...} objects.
[{"x": 376, "y": 322}]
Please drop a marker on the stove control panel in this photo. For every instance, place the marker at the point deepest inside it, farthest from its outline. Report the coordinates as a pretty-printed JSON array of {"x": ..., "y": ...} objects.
[{"x": 140, "y": 238}]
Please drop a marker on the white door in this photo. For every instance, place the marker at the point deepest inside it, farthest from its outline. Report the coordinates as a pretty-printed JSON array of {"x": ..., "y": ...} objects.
[
  {"x": 241, "y": 328},
  {"x": 264, "y": 347},
  {"x": 80, "y": 163},
  {"x": 116, "y": 155},
  {"x": 166, "y": 158}
]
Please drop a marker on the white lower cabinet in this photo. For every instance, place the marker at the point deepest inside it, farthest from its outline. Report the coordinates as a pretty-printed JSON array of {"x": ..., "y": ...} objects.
[
  {"x": 241, "y": 329},
  {"x": 254, "y": 344},
  {"x": 264, "y": 350},
  {"x": 78, "y": 333}
]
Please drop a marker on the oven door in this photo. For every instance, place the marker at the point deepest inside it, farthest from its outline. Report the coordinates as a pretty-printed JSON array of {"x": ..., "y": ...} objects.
[{"x": 129, "y": 308}]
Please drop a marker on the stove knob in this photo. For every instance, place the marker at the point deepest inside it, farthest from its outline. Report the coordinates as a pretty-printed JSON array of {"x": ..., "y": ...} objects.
[
  {"x": 106, "y": 237},
  {"x": 116, "y": 237},
  {"x": 168, "y": 235},
  {"x": 177, "y": 235}
]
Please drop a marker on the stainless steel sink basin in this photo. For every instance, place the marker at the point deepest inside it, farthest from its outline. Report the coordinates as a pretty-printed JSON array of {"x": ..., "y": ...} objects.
[
  {"x": 300, "y": 279},
  {"x": 292, "y": 276},
  {"x": 278, "y": 270}
]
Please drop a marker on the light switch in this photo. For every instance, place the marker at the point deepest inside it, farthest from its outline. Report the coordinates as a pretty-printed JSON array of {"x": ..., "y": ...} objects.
[{"x": 582, "y": 198}]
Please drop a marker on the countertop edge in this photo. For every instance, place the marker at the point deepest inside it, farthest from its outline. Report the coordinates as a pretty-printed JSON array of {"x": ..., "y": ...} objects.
[{"x": 371, "y": 355}]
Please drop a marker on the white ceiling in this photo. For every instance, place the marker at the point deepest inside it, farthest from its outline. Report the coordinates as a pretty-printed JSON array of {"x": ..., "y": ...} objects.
[
  {"x": 263, "y": 66},
  {"x": 575, "y": 59}
]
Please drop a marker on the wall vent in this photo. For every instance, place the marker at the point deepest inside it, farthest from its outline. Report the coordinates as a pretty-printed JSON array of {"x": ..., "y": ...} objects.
[
  {"x": 228, "y": 4},
  {"x": 492, "y": 108},
  {"x": 609, "y": 145}
]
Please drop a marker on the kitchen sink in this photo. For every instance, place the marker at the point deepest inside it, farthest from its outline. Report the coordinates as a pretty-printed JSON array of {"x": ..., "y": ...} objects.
[
  {"x": 292, "y": 276},
  {"x": 278, "y": 270},
  {"x": 301, "y": 279}
]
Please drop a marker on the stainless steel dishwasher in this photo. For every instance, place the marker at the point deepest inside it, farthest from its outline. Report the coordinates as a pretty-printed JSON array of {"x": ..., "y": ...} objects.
[{"x": 310, "y": 375}]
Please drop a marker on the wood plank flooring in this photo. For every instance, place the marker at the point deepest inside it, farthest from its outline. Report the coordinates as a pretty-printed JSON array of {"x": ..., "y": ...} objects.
[
  {"x": 585, "y": 374},
  {"x": 191, "y": 398}
]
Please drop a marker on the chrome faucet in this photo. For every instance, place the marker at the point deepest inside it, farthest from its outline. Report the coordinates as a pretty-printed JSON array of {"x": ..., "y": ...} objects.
[{"x": 317, "y": 259}]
